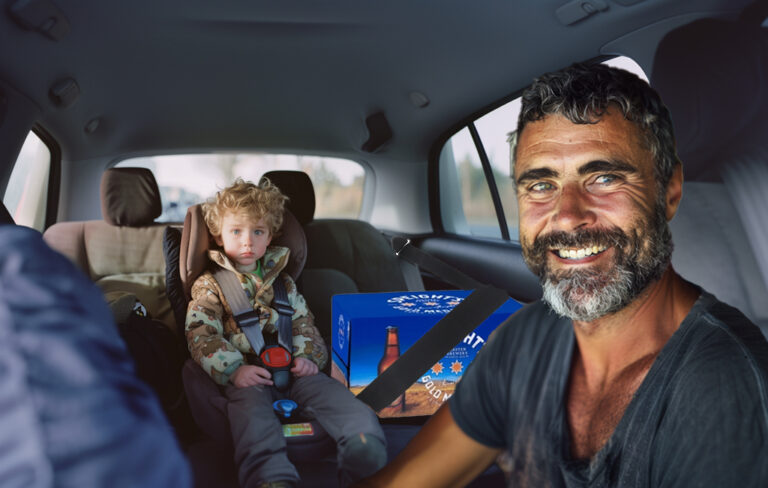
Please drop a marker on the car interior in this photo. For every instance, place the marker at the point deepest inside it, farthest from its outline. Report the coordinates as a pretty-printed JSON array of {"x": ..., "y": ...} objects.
[{"x": 419, "y": 97}]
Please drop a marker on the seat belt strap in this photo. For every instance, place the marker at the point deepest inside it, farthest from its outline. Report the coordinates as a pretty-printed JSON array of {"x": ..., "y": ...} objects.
[
  {"x": 247, "y": 318},
  {"x": 285, "y": 314},
  {"x": 405, "y": 250},
  {"x": 411, "y": 275},
  {"x": 427, "y": 351},
  {"x": 242, "y": 310}
]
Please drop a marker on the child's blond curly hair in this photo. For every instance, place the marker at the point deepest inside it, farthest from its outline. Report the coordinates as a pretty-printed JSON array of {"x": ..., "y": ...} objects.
[{"x": 256, "y": 201}]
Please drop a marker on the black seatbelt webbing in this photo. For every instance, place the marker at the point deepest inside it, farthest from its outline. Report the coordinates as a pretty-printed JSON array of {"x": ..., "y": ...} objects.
[
  {"x": 247, "y": 318},
  {"x": 285, "y": 314},
  {"x": 403, "y": 249},
  {"x": 427, "y": 351}
]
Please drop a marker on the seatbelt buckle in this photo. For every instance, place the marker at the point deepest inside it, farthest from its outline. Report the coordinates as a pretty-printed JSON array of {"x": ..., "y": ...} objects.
[
  {"x": 248, "y": 319},
  {"x": 277, "y": 360}
]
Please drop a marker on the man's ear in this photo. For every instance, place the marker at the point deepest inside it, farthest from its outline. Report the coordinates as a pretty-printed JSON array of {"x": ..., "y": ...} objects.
[{"x": 674, "y": 192}]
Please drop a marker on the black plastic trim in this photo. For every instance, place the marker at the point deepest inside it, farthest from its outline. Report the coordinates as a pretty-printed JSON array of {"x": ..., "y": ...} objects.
[
  {"x": 433, "y": 168},
  {"x": 54, "y": 175},
  {"x": 490, "y": 180}
]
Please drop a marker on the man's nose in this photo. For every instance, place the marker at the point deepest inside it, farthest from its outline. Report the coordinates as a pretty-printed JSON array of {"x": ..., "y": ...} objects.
[{"x": 573, "y": 209}]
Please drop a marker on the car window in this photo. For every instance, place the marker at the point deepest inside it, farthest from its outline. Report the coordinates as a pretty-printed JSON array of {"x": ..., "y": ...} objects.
[
  {"x": 185, "y": 180},
  {"x": 465, "y": 197},
  {"x": 477, "y": 194},
  {"x": 26, "y": 195}
]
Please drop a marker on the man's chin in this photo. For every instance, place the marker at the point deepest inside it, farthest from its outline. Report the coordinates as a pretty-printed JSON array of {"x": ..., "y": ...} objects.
[{"x": 587, "y": 297}]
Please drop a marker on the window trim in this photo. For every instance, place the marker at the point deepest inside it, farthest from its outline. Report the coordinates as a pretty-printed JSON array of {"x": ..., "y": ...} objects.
[
  {"x": 490, "y": 181},
  {"x": 54, "y": 176},
  {"x": 433, "y": 168}
]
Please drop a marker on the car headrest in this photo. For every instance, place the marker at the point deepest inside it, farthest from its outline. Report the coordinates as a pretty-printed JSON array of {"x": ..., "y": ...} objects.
[
  {"x": 196, "y": 240},
  {"x": 130, "y": 197},
  {"x": 297, "y": 186},
  {"x": 712, "y": 75}
]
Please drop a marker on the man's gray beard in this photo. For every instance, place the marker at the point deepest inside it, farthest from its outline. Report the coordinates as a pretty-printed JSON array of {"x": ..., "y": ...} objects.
[{"x": 586, "y": 295}]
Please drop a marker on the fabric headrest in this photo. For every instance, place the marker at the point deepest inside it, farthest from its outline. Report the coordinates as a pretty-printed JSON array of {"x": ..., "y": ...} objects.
[
  {"x": 711, "y": 75},
  {"x": 196, "y": 240},
  {"x": 297, "y": 186},
  {"x": 130, "y": 197}
]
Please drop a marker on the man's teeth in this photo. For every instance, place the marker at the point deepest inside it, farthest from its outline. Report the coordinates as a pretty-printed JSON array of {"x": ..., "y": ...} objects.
[{"x": 579, "y": 253}]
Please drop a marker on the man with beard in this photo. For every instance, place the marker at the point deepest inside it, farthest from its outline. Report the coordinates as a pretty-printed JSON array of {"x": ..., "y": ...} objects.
[{"x": 624, "y": 374}]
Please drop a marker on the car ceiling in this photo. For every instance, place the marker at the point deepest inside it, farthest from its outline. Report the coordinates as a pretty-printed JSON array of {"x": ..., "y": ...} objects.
[{"x": 303, "y": 76}]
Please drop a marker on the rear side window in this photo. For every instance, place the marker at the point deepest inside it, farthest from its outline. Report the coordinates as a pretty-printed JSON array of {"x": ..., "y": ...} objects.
[
  {"x": 477, "y": 194},
  {"x": 185, "y": 180},
  {"x": 26, "y": 195}
]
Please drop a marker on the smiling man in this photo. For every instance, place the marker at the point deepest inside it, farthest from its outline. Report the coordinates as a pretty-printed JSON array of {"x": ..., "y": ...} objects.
[{"x": 624, "y": 374}]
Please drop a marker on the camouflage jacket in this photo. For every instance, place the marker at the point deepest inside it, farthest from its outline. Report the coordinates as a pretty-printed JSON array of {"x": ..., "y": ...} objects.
[{"x": 214, "y": 339}]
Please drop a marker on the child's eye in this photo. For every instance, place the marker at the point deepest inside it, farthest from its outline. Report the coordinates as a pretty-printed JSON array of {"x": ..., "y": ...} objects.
[
  {"x": 258, "y": 232},
  {"x": 236, "y": 232}
]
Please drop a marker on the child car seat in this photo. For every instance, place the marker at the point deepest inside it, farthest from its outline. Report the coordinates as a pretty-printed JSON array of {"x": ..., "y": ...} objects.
[{"x": 207, "y": 403}]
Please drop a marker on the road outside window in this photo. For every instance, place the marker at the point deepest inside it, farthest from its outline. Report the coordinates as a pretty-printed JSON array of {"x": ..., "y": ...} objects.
[
  {"x": 466, "y": 205},
  {"x": 185, "y": 180}
]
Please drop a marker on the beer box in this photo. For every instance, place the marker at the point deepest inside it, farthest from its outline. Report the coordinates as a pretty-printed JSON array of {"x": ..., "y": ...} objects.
[{"x": 363, "y": 322}]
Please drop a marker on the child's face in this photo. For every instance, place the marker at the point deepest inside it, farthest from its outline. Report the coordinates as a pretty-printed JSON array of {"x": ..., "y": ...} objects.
[{"x": 244, "y": 240}]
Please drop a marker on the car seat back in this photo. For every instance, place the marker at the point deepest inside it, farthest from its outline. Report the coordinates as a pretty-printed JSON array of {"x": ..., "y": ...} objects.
[
  {"x": 717, "y": 97},
  {"x": 343, "y": 255},
  {"x": 122, "y": 253}
]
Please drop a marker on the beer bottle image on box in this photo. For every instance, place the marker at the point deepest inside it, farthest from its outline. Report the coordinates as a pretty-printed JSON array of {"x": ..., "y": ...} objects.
[{"x": 391, "y": 353}]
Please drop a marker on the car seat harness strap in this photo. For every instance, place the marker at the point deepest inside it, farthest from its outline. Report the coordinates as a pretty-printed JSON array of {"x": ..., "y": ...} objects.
[{"x": 276, "y": 357}]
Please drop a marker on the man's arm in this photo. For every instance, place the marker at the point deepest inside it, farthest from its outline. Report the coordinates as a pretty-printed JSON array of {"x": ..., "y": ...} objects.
[{"x": 441, "y": 454}]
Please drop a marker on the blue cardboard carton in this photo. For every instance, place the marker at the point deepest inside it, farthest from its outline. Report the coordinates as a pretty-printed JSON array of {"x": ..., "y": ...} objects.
[{"x": 372, "y": 329}]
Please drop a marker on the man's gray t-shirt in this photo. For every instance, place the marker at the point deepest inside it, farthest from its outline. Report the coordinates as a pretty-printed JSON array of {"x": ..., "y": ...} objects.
[{"x": 700, "y": 417}]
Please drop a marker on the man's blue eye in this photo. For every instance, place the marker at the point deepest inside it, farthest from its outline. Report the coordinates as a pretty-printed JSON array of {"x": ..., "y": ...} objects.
[
  {"x": 606, "y": 179},
  {"x": 541, "y": 187}
]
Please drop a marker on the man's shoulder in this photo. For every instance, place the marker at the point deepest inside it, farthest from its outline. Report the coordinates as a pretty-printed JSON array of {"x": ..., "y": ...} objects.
[
  {"x": 533, "y": 330},
  {"x": 724, "y": 353},
  {"x": 717, "y": 326}
]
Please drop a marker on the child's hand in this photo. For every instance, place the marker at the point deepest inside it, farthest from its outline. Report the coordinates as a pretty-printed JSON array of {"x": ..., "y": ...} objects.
[
  {"x": 250, "y": 375},
  {"x": 303, "y": 367}
]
